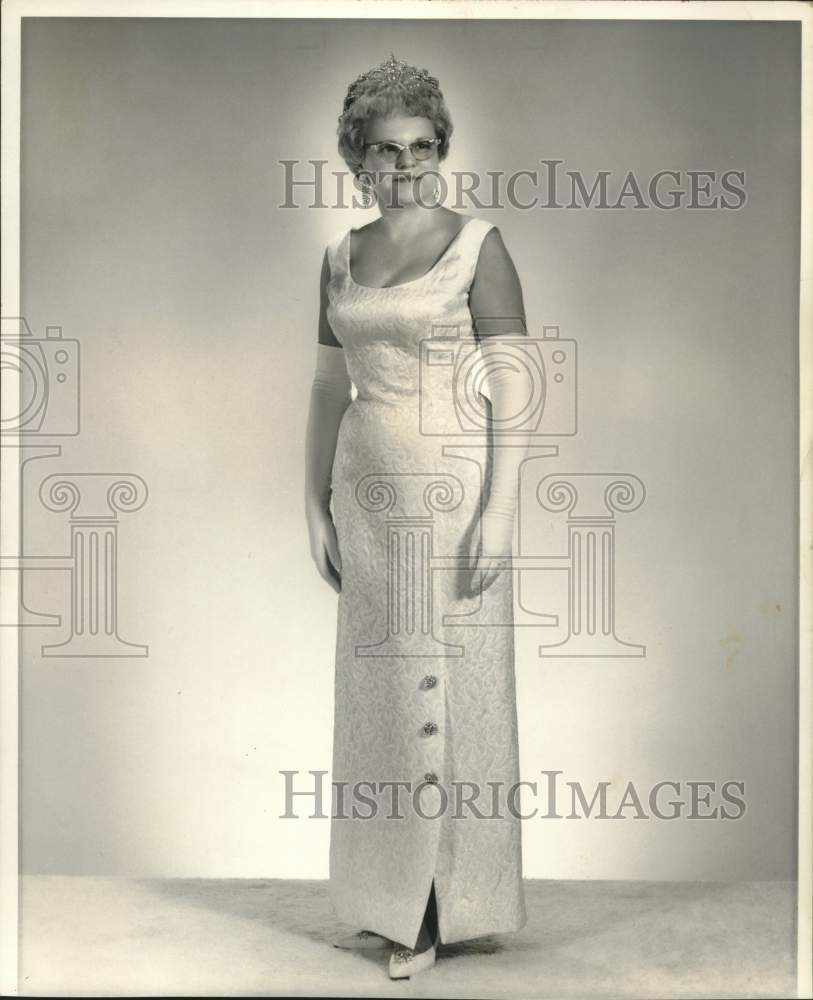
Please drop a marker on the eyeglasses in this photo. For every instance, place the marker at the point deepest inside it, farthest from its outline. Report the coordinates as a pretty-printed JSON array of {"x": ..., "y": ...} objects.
[{"x": 388, "y": 150}]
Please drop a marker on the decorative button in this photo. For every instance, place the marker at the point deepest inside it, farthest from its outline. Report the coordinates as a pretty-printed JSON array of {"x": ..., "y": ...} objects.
[
  {"x": 430, "y": 728},
  {"x": 431, "y": 777},
  {"x": 430, "y": 681}
]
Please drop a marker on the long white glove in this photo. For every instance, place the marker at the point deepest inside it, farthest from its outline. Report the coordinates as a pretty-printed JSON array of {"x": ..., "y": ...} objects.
[
  {"x": 507, "y": 387},
  {"x": 330, "y": 397}
]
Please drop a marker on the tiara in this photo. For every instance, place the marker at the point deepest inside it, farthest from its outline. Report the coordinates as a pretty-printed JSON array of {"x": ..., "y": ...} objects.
[{"x": 393, "y": 71}]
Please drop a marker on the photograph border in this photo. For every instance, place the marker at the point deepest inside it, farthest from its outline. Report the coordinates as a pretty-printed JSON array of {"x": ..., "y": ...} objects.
[{"x": 13, "y": 11}]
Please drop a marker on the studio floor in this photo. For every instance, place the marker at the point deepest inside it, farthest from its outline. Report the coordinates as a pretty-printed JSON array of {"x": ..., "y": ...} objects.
[{"x": 267, "y": 937}]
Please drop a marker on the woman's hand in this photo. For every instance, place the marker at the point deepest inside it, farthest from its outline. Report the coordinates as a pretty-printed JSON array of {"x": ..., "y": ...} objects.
[
  {"x": 324, "y": 545},
  {"x": 491, "y": 547}
]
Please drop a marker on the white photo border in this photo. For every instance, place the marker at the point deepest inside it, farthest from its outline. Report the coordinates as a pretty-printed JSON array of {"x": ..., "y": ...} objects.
[{"x": 10, "y": 514}]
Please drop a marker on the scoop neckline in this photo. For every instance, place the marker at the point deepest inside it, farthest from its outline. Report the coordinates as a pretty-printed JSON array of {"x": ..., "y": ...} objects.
[{"x": 403, "y": 284}]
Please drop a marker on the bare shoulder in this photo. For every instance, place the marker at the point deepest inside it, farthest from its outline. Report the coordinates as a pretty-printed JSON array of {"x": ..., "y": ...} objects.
[
  {"x": 495, "y": 298},
  {"x": 361, "y": 233},
  {"x": 494, "y": 255},
  {"x": 325, "y": 334}
]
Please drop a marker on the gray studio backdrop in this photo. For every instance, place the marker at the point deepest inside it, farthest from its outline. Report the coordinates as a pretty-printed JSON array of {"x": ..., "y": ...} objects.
[{"x": 152, "y": 235}]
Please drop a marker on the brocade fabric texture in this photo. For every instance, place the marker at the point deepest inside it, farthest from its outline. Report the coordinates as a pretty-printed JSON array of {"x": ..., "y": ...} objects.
[{"x": 424, "y": 677}]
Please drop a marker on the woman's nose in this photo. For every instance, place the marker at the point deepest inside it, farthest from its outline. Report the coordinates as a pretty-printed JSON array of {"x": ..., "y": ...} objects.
[{"x": 405, "y": 157}]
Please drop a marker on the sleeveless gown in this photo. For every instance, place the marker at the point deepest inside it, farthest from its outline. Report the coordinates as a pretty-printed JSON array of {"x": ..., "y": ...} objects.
[{"x": 424, "y": 676}]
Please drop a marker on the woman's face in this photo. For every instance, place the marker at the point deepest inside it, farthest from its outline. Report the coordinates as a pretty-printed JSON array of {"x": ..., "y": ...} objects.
[{"x": 406, "y": 178}]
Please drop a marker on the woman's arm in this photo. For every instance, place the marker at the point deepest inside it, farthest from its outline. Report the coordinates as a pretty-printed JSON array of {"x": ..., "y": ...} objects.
[
  {"x": 498, "y": 312},
  {"x": 330, "y": 397}
]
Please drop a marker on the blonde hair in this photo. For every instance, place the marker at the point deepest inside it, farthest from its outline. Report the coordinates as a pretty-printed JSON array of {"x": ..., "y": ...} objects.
[{"x": 372, "y": 95}]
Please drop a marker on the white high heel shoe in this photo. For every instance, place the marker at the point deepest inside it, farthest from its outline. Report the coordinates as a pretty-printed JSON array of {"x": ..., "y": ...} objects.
[
  {"x": 363, "y": 940},
  {"x": 406, "y": 962}
]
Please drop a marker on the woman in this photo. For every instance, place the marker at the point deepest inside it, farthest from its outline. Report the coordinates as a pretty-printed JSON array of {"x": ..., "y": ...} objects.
[{"x": 417, "y": 541}]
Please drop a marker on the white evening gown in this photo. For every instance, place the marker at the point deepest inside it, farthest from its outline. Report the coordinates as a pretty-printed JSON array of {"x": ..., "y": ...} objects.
[{"x": 419, "y": 697}]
